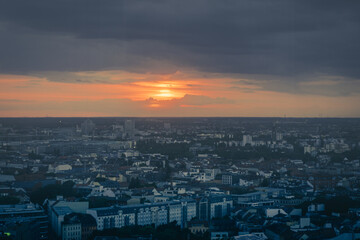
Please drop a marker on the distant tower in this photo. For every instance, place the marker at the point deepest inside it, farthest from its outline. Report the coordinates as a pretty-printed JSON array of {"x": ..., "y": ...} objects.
[
  {"x": 129, "y": 128},
  {"x": 167, "y": 127},
  {"x": 279, "y": 136},
  {"x": 87, "y": 127},
  {"x": 274, "y": 132},
  {"x": 247, "y": 139},
  {"x": 118, "y": 130}
]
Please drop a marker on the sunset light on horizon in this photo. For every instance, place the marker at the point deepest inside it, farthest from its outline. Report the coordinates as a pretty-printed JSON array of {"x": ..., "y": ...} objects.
[
  {"x": 179, "y": 119},
  {"x": 178, "y": 94},
  {"x": 242, "y": 59}
]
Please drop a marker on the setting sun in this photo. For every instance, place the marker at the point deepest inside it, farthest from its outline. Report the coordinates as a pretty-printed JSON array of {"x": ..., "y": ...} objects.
[
  {"x": 163, "y": 90},
  {"x": 165, "y": 93}
]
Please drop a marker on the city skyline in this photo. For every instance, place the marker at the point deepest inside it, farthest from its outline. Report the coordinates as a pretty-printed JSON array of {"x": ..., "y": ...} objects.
[{"x": 179, "y": 178}]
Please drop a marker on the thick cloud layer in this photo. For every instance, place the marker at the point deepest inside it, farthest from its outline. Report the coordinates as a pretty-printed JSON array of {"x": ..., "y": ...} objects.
[{"x": 279, "y": 39}]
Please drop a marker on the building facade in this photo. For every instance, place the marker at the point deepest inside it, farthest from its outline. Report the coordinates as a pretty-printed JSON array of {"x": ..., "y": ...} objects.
[
  {"x": 30, "y": 219},
  {"x": 214, "y": 207},
  {"x": 144, "y": 214}
]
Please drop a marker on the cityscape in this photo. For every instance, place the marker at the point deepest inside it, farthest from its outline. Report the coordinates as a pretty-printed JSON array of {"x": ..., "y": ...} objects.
[
  {"x": 179, "y": 120},
  {"x": 180, "y": 178}
]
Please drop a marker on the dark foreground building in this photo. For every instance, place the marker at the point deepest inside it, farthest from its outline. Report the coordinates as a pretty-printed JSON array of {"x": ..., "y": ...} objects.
[{"x": 24, "y": 222}]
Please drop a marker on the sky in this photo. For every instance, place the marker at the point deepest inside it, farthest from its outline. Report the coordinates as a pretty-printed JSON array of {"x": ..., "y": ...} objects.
[{"x": 167, "y": 58}]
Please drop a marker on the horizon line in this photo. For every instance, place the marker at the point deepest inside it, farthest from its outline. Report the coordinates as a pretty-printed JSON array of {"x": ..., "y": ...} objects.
[{"x": 185, "y": 117}]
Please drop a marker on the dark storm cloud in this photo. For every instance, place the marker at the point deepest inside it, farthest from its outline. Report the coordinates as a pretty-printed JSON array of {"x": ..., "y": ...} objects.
[{"x": 291, "y": 39}]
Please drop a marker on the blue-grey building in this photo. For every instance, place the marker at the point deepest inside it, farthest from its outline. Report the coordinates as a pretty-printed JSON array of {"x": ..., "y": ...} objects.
[{"x": 144, "y": 214}]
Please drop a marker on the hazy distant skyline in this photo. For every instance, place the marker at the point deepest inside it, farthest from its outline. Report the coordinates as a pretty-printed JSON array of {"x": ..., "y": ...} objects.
[{"x": 180, "y": 58}]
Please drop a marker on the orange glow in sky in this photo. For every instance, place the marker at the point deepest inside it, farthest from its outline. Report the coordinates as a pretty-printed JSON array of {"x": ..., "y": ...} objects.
[
  {"x": 161, "y": 90},
  {"x": 180, "y": 94}
]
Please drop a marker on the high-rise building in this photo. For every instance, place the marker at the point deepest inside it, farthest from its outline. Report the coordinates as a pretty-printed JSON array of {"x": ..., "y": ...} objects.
[
  {"x": 87, "y": 127},
  {"x": 247, "y": 139},
  {"x": 129, "y": 128},
  {"x": 167, "y": 126}
]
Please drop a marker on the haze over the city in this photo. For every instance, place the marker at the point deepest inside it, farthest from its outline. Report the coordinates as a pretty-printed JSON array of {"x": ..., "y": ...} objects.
[
  {"x": 179, "y": 120},
  {"x": 179, "y": 58}
]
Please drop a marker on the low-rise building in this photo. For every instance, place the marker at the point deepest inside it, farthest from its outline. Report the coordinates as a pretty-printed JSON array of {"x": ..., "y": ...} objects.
[{"x": 144, "y": 214}]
